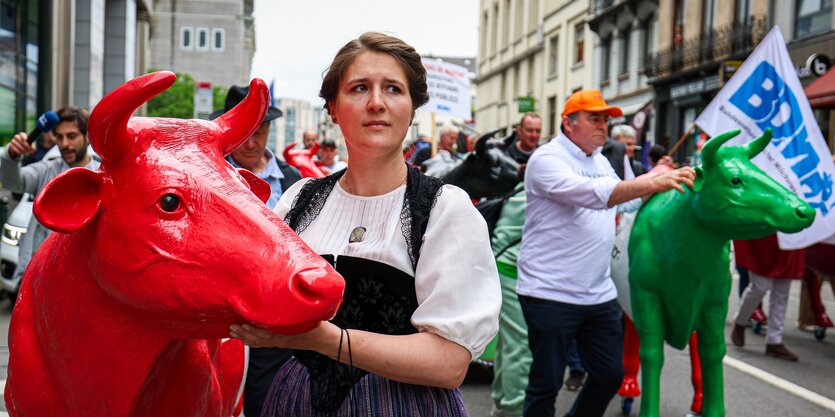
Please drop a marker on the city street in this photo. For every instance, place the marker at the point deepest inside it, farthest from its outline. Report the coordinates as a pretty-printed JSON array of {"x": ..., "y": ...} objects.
[{"x": 755, "y": 385}]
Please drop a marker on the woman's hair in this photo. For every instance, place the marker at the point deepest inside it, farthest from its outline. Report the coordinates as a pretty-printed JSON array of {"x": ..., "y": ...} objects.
[
  {"x": 656, "y": 152},
  {"x": 408, "y": 58}
]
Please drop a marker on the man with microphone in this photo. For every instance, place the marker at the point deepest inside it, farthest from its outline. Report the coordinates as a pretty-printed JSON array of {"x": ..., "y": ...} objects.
[{"x": 70, "y": 135}]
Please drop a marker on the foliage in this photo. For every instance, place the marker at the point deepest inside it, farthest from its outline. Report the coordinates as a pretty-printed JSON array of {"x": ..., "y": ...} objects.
[{"x": 177, "y": 101}]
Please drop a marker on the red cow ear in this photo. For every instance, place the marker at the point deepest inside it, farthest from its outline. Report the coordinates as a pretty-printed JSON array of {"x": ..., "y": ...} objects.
[
  {"x": 70, "y": 200},
  {"x": 257, "y": 185}
]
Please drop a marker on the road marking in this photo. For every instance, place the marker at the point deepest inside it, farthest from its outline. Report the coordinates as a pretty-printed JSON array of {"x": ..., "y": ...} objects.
[
  {"x": 781, "y": 383},
  {"x": 3, "y": 389}
]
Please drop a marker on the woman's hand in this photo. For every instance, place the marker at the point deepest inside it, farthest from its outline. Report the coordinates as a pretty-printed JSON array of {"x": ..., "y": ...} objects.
[{"x": 324, "y": 335}]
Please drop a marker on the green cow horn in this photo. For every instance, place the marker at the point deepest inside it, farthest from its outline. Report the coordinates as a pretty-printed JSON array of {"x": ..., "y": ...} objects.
[
  {"x": 757, "y": 145},
  {"x": 712, "y": 145}
]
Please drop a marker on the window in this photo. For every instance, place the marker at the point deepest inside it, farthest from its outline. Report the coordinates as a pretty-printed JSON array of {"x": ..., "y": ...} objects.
[
  {"x": 743, "y": 10},
  {"x": 202, "y": 39},
  {"x": 678, "y": 27},
  {"x": 579, "y": 42},
  {"x": 186, "y": 38},
  {"x": 813, "y": 16},
  {"x": 553, "y": 55},
  {"x": 533, "y": 14},
  {"x": 503, "y": 89},
  {"x": 708, "y": 18},
  {"x": 646, "y": 46},
  {"x": 605, "y": 52},
  {"x": 519, "y": 18},
  {"x": 517, "y": 86},
  {"x": 623, "y": 65},
  {"x": 552, "y": 116},
  {"x": 506, "y": 25},
  {"x": 218, "y": 40},
  {"x": 531, "y": 74},
  {"x": 483, "y": 37},
  {"x": 495, "y": 28}
]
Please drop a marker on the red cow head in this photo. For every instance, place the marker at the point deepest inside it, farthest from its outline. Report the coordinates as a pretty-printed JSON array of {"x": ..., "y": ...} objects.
[{"x": 178, "y": 235}]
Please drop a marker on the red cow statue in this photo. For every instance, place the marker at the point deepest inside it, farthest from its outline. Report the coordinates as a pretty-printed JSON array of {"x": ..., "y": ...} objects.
[
  {"x": 303, "y": 160},
  {"x": 121, "y": 312}
]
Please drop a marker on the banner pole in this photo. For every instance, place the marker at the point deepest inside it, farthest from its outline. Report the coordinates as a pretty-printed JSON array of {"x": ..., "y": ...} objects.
[
  {"x": 434, "y": 136},
  {"x": 681, "y": 139}
]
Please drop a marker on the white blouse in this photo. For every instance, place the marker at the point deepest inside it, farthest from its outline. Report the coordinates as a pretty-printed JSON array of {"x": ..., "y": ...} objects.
[{"x": 457, "y": 284}]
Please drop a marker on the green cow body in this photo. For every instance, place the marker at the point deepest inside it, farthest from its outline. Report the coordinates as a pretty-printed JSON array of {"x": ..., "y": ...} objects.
[{"x": 678, "y": 258}]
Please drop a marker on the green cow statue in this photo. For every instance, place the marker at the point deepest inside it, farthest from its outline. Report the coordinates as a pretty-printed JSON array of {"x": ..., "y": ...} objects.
[{"x": 679, "y": 269}]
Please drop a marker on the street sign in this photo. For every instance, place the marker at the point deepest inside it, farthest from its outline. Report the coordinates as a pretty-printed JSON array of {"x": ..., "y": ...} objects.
[
  {"x": 526, "y": 104},
  {"x": 202, "y": 100}
]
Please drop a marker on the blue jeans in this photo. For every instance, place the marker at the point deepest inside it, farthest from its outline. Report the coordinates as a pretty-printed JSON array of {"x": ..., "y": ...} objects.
[{"x": 598, "y": 331}]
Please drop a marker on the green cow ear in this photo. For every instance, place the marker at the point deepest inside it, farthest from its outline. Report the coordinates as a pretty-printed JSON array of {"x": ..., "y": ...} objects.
[{"x": 700, "y": 178}]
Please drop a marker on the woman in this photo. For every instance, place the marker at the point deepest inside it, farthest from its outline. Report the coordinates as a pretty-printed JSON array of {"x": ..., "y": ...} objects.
[{"x": 422, "y": 293}]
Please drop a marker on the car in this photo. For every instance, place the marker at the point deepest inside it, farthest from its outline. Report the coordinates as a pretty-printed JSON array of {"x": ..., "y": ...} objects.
[{"x": 13, "y": 231}]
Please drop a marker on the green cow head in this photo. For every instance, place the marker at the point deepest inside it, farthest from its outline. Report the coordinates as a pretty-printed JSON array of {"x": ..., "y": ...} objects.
[{"x": 740, "y": 201}]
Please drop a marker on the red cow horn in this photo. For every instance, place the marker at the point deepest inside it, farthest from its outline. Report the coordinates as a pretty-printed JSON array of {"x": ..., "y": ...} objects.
[
  {"x": 238, "y": 124},
  {"x": 109, "y": 120},
  {"x": 712, "y": 146},
  {"x": 757, "y": 145}
]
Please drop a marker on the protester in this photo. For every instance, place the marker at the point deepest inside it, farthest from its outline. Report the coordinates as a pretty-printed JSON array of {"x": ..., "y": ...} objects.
[
  {"x": 626, "y": 135},
  {"x": 71, "y": 138},
  {"x": 447, "y": 158},
  {"x": 309, "y": 138},
  {"x": 254, "y": 156},
  {"x": 329, "y": 158},
  {"x": 770, "y": 269},
  {"x": 422, "y": 292},
  {"x": 564, "y": 285},
  {"x": 525, "y": 139}
]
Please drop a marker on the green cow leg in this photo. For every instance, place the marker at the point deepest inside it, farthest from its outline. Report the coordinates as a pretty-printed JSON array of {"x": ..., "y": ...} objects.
[
  {"x": 712, "y": 351},
  {"x": 650, "y": 326}
]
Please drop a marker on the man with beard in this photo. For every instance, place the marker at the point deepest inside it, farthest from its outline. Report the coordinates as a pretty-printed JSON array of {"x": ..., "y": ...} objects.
[{"x": 71, "y": 139}]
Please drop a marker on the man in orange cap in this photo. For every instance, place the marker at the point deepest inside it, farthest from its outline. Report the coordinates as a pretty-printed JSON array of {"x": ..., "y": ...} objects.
[{"x": 564, "y": 285}]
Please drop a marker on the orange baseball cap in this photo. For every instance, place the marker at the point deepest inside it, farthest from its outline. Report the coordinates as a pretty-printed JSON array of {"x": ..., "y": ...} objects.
[{"x": 591, "y": 101}]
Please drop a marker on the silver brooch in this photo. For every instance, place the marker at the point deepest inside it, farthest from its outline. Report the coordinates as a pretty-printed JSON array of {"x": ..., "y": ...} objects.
[{"x": 357, "y": 235}]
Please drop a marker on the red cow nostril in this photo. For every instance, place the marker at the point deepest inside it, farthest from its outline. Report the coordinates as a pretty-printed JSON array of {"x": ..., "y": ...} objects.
[{"x": 318, "y": 286}]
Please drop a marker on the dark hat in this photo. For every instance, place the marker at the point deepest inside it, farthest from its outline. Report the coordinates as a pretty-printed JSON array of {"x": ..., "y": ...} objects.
[{"x": 234, "y": 96}]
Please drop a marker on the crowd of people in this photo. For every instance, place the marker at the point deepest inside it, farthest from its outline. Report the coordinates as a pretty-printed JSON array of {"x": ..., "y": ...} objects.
[{"x": 427, "y": 288}]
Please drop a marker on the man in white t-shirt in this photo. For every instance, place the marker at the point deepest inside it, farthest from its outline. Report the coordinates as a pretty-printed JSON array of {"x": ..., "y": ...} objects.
[
  {"x": 564, "y": 283},
  {"x": 329, "y": 158}
]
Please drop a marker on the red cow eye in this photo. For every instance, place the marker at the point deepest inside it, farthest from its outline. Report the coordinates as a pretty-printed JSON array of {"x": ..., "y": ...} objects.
[{"x": 169, "y": 203}]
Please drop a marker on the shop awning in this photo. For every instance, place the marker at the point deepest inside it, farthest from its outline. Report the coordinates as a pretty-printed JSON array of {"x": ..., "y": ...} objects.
[{"x": 821, "y": 92}]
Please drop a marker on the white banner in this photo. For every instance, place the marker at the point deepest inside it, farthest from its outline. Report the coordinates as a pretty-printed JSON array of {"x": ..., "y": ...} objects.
[
  {"x": 449, "y": 89},
  {"x": 765, "y": 92}
]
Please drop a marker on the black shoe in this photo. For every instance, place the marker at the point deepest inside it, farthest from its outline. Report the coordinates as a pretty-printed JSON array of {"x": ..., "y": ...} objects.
[
  {"x": 575, "y": 380},
  {"x": 738, "y": 335}
]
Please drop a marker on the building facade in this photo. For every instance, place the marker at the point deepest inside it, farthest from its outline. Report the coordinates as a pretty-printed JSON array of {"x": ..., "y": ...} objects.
[
  {"x": 69, "y": 52},
  {"x": 627, "y": 35},
  {"x": 213, "y": 40},
  {"x": 700, "y": 44},
  {"x": 531, "y": 50}
]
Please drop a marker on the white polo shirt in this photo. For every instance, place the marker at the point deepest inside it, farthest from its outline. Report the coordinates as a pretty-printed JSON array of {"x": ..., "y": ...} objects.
[{"x": 569, "y": 231}]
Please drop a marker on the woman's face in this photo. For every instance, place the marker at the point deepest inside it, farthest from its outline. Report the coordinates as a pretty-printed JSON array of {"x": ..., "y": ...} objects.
[{"x": 373, "y": 106}]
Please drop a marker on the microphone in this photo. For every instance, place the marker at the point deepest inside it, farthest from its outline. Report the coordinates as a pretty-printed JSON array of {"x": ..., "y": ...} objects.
[{"x": 45, "y": 123}]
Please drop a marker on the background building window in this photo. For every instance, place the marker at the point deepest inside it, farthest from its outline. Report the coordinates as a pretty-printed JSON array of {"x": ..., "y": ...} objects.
[
  {"x": 552, "y": 116},
  {"x": 518, "y": 18},
  {"x": 743, "y": 10},
  {"x": 506, "y": 25},
  {"x": 202, "y": 41},
  {"x": 533, "y": 14},
  {"x": 483, "y": 37},
  {"x": 708, "y": 17},
  {"x": 623, "y": 66},
  {"x": 579, "y": 42},
  {"x": 218, "y": 39},
  {"x": 186, "y": 38},
  {"x": 605, "y": 51},
  {"x": 553, "y": 55},
  {"x": 678, "y": 27},
  {"x": 813, "y": 16},
  {"x": 646, "y": 46},
  {"x": 495, "y": 28}
]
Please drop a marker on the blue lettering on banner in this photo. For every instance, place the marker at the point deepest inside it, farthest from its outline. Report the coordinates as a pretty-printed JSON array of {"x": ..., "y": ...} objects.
[
  {"x": 442, "y": 107},
  {"x": 768, "y": 100}
]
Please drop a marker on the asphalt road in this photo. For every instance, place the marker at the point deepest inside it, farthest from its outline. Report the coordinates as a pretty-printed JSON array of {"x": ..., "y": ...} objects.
[{"x": 755, "y": 385}]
